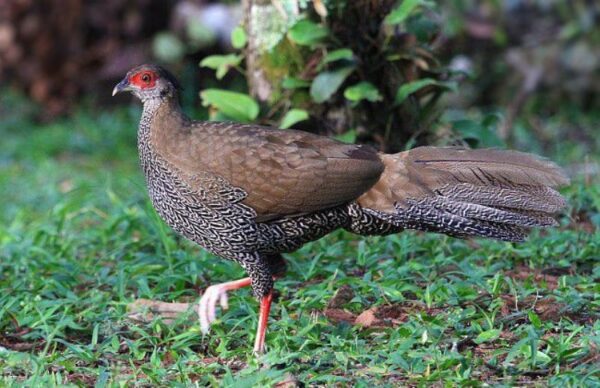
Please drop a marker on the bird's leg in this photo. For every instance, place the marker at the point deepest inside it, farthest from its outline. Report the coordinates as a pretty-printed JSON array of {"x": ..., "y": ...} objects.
[
  {"x": 218, "y": 292},
  {"x": 263, "y": 318},
  {"x": 261, "y": 270}
]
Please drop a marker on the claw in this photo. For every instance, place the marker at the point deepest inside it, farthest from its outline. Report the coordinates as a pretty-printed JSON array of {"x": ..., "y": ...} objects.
[{"x": 207, "y": 308}]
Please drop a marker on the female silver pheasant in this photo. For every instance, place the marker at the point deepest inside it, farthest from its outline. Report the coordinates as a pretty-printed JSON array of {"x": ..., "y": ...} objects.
[{"x": 249, "y": 193}]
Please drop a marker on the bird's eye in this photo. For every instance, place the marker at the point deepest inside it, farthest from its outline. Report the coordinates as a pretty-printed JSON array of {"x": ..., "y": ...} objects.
[{"x": 146, "y": 77}]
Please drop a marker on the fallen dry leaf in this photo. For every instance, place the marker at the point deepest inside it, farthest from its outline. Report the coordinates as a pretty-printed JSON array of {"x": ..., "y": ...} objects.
[
  {"x": 339, "y": 315},
  {"x": 367, "y": 318},
  {"x": 146, "y": 310}
]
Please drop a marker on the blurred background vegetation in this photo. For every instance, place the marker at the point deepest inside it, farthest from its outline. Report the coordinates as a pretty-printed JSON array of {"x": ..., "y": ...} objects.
[{"x": 488, "y": 73}]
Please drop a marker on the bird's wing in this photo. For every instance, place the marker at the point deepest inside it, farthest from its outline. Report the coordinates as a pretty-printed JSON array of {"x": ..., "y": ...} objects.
[{"x": 282, "y": 172}]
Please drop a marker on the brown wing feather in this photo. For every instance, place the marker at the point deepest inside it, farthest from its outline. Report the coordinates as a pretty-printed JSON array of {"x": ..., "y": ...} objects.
[{"x": 284, "y": 172}]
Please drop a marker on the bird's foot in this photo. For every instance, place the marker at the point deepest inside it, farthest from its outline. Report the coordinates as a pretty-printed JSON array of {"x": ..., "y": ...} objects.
[{"x": 207, "y": 308}]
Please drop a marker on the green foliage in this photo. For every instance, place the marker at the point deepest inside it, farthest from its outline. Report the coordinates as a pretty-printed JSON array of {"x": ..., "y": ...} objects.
[
  {"x": 404, "y": 10},
  {"x": 307, "y": 33},
  {"x": 167, "y": 47},
  {"x": 339, "y": 54},
  {"x": 412, "y": 87},
  {"x": 328, "y": 82},
  {"x": 388, "y": 70},
  {"x": 479, "y": 134},
  {"x": 362, "y": 91},
  {"x": 351, "y": 55},
  {"x": 221, "y": 63},
  {"x": 292, "y": 117},
  {"x": 238, "y": 37},
  {"x": 487, "y": 336},
  {"x": 237, "y": 106}
]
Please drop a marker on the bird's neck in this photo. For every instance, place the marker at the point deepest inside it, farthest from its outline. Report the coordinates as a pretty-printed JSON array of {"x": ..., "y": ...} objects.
[
  {"x": 159, "y": 117},
  {"x": 161, "y": 120}
]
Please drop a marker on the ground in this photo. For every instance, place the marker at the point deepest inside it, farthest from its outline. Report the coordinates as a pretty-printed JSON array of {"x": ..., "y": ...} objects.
[{"x": 79, "y": 243}]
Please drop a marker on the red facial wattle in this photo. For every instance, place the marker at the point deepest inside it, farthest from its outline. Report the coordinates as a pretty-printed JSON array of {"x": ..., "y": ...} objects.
[{"x": 143, "y": 79}]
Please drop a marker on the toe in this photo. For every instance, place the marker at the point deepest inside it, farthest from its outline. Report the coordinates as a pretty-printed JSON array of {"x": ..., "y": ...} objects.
[
  {"x": 202, "y": 315},
  {"x": 224, "y": 301},
  {"x": 207, "y": 308}
]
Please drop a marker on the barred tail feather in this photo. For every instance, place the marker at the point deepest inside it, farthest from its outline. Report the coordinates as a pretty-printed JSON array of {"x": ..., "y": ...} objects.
[{"x": 488, "y": 193}]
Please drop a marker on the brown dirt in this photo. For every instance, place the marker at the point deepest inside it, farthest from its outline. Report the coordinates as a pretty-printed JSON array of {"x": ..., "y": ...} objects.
[
  {"x": 342, "y": 296},
  {"x": 390, "y": 315},
  {"x": 550, "y": 276}
]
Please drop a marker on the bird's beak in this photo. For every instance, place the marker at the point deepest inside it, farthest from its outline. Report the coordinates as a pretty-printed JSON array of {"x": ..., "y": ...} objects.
[{"x": 121, "y": 86}]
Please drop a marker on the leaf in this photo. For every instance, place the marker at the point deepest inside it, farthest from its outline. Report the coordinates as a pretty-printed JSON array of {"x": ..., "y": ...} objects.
[
  {"x": 328, "y": 82},
  {"x": 238, "y": 106},
  {"x": 472, "y": 130},
  {"x": 488, "y": 335},
  {"x": 167, "y": 47},
  {"x": 534, "y": 319},
  {"x": 337, "y": 55},
  {"x": 221, "y": 63},
  {"x": 238, "y": 37},
  {"x": 199, "y": 34},
  {"x": 294, "y": 83},
  {"x": 409, "y": 88},
  {"x": 403, "y": 11},
  {"x": 347, "y": 137},
  {"x": 292, "y": 117},
  {"x": 307, "y": 33},
  {"x": 363, "y": 91}
]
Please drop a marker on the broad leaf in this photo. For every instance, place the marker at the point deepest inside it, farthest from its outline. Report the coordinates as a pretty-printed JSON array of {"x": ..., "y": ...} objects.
[
  {"x": 221, "y": 63},
  {"x": 534, "y": 319},
  {"x": 471, "y": 130},
  {"x": 327, "y": 83},
  {"x": 307, "y": 33},
  {"x": 238, "y": 106},
  {"x": 238, "y": 37},
  {"x": 337, "y": 55},
  {"x": 294, "y": 83},
  {"x": 403, "y": 11},
  {"x": 409, "y": 88},
  {"x": 292, "y": 117},
  {"x": 347, "y": 137},
  {"x": 488, "y": 335},
  {"x": 363, "y": 91}
]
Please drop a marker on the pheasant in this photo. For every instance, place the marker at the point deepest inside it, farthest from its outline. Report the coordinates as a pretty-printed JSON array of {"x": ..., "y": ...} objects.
[{"x": 249, "y": 193}]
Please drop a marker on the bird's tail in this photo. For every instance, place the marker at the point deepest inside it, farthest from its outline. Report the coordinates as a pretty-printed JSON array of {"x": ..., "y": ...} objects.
[{"x": 459, "y": 192}]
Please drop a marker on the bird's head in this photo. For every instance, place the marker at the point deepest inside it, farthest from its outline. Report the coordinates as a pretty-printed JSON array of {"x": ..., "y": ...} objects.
[{"x": 148, "y": 82}]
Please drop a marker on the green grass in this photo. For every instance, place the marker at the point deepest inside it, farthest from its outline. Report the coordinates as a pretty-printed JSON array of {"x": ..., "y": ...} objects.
[{"x": 79, "y": 242}]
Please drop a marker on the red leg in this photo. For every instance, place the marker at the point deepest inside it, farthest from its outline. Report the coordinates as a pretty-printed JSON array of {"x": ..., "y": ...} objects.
[
  {"x": 263, "y": 320},
  {"x": 218, "y": 293}
]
